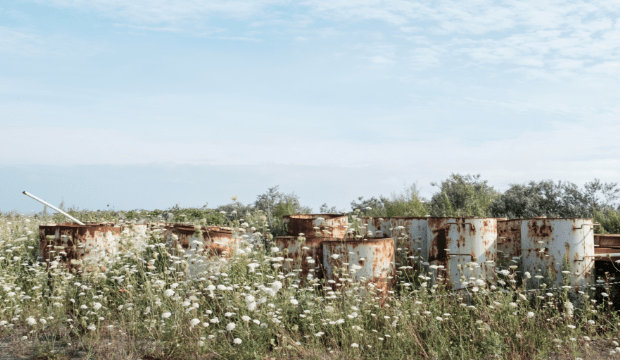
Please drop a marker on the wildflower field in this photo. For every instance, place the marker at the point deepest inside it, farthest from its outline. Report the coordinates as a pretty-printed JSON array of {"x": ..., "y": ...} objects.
[{"x": 149, "y": 300}]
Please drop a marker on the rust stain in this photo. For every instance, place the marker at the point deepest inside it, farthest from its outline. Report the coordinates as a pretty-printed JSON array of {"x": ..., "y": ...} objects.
[
  {"x": 550, "y": 242},
  {"x": 377, "y": 266},
  {"x": 509, "y": 238},
  {"x": 335, "y": 225},
  {"x": 540, "y": 228},
  {"x": 300, "y": 256}
]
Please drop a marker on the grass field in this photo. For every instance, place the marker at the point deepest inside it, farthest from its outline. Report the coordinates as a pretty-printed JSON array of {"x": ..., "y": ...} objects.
[{"x": 150, "y": 301}]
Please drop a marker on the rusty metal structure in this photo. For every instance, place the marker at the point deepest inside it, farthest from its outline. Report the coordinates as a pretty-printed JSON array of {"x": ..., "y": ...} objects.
[
  {"x": 378, "y": 227},
  {"x": 76, "y": 244},
  {"x": 460, "y": 250},
  {"x": 365, "y": 260},
  {"x": 410, "y": 234},
  {"x": 508, "y": 239},
  {"x": 317, "y": 225},
  {"x": 306, "y": 255},
  {"x": 217, "y": 240},
  {"x": 464, "y": 248},
  {"x": 606, "y": 251},
  {"x": 562, "y": 249}
]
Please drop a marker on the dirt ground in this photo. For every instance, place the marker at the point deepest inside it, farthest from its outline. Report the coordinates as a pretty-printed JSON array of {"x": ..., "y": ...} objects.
[{"x": 13, "y": 348}]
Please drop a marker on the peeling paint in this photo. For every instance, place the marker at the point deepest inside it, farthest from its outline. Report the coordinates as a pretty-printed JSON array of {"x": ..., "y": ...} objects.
[
  {"x": 508, "y": 239},
  {"x": 550, "y": 244},
  {"x": 462, "y": 247}
]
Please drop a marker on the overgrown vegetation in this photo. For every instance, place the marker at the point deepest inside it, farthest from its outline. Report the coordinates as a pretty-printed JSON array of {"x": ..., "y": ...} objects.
[
  {"x": 406, "y": 203},
  {"x": 142, "y": 302},
  {"x": 149, "y": 300}
]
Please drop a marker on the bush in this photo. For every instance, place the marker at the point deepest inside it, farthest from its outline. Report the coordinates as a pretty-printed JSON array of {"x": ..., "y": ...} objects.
[{"x": 463, "y": 195}]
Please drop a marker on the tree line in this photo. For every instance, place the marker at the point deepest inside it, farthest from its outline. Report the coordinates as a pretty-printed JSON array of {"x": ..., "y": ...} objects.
[{"x": 458, "y": 195}]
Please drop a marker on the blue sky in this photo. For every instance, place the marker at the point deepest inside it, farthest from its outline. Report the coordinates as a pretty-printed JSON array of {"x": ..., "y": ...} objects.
[{"x": 331, "y": 99}]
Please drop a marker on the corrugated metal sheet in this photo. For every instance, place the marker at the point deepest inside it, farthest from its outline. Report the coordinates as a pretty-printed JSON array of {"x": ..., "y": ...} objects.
[
  {"x": 549, "y": 245},
  {"x": 365, "y": 260}
]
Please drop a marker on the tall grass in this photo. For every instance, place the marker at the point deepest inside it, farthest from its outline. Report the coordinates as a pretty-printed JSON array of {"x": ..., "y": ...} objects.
[{"x": 152, "y": 300}]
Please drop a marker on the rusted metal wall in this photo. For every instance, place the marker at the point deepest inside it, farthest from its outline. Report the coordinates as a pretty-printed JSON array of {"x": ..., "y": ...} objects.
[
  {"x": 466, "y": 242},
  {"x": 78, "y": 242},
  {"x": 329, "y": 225},
  {"x": 368, "y": 260},
  {"x": 379, "y": 227},
  {"x": 303, "y": 258},
  {"x": 508, "y": 239},
  {"x": 214, "y": 239},
  {"x": 549, "y": 245},
  {"x": 410, "y": 233}
]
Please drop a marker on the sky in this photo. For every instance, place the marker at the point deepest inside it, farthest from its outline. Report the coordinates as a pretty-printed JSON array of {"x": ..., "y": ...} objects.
[{"x": 148, "y": 104}]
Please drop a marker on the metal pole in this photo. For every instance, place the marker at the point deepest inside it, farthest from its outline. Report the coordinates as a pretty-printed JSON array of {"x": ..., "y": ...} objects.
[{"x": 53, "y": 207}]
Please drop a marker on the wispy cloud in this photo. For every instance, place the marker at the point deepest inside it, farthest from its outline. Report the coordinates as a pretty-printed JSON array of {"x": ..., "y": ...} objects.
[
  {"x": 554, "y": 38},
  {"x": 168, "y": 11},
  {"x": 25, "y": 42}
]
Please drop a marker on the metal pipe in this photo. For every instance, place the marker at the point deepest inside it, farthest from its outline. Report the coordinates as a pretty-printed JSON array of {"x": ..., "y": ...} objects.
[
  {"x": 53, "y": 207},
  {"x": 608, "y": 255}
]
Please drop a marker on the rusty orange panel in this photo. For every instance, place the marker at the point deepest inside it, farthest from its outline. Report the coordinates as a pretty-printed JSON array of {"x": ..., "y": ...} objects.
[{"x": 607, "y": 240}]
